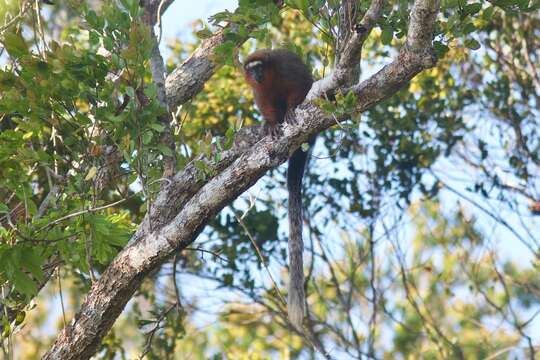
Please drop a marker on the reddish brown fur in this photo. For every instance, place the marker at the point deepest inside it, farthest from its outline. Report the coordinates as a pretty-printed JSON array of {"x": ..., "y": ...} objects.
[
  {"x": 285, "y": 84},
  {"x": 280, "y": 82}
]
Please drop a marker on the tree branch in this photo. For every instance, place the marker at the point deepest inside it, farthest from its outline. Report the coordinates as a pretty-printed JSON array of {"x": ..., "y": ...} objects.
[
  {"x": 157, "y": 68},
  {"x": 188, "y": 79},
  {"x": 176, "y": 82},
  {"x": 201, "y": 200},
  {"x": 347, "y": 69}
]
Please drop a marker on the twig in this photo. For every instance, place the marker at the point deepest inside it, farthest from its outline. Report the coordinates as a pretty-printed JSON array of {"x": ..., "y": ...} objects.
[
  {"x": 213, "y": 253},
  {"x": 81, "y": 212},
  {"x": 15, "y": 18},
  {"x": 259, "y": 254},
  {"x": 61, "y": 297}
]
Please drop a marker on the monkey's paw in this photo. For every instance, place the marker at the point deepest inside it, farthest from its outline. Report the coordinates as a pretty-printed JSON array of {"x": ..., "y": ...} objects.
[
  {"x": 272, "y": 129},
  {"x": 290, "y": 117}
]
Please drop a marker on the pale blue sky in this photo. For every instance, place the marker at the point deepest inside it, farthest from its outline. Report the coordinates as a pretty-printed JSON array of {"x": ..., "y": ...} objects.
[{"x": 179, "y": 16}]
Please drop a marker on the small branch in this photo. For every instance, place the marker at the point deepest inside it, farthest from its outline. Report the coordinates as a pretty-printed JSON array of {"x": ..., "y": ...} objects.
[
  {"x": 157, "y": 68},
  {"x": 51, "y": 196},
  {"x": 152, "y": 332},
  {"x": 60, "y": 293},
  {"x": 16, "y": 17},
  {"x": 81, "y": 212},
  {"x": 213, "y": 253},
  {"x": 351, "y": 52},
  {"x": 372, "y": 284},
  {"x": 259, "y": 254}
]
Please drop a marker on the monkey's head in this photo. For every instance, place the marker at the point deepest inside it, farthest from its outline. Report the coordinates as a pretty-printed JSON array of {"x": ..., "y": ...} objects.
[
  {"x": 258, "y": 67},
  {"x": 254, "y": 70}
]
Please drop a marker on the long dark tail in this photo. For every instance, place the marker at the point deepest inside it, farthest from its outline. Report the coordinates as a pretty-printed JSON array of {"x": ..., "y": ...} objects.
[{"x": 296, "y": 297}]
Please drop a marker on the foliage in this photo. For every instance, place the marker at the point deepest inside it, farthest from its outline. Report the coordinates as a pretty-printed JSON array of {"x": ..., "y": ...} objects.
[{"x": 396, "y": 268}]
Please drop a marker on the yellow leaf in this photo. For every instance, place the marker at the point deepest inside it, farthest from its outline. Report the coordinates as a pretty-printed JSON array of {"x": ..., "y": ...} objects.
[{"x": 91, "y": 173}]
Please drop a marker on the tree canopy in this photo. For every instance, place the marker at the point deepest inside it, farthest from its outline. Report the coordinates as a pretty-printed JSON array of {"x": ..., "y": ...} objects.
[{"x": 142, "y": 210}]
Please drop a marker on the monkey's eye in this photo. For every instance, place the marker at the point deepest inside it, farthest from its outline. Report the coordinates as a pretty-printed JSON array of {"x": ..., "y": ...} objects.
[{"x": 255, "y": 71}]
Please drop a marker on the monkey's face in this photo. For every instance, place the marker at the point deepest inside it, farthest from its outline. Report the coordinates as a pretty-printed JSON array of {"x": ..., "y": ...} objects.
[{"x": 254, "y": 71}]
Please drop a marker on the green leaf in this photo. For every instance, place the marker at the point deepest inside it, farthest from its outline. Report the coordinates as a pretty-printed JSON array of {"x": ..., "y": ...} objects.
[
  {"x": 203, "y": 34},
  {"x": 94, "y": 38},
  {"x": 134, "y": 8},
  {"x": 472, "y": 9},
  {"x": 472, "y": 44},
  {"x": 23, "y": 283},
  {"x": 33, "y": 262},
  {"x": 228, "y": 279},
  {"x": 488, "y": 13},
  {"x": 92, "y": 19},
  {"x": 20, "y": 317},
  {"x": 468, "y": 28},
  {"x": 15, "y": 45},
  {"x": 130, "y": 92},
  {"x": 6, "y": 330},
  {"x": 147, "y": 137},
  {"x": 91, "y": 173},
  {"x": 522, "y": 4},
  {"x": 440, "y": 48},
  {"x": 3, "y": 208},
  {"x": 387, "y": 35},
  {"x": 158, "y": 127},
  {"x": 165, "y": 150},
  {"x": 125, "y": 4}
]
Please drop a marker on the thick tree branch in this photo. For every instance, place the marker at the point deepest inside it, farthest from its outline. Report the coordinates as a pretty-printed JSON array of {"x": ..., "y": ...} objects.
[
  {"x": 422, "y": 24},
  {"x": 188, "y": 79},
  {"x": 199, "y": 64},
  {"x": 201, "y": 200}
]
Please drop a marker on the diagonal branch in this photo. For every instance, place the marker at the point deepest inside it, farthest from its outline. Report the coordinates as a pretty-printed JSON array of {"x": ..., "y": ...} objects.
[
  {"x": 189, "y": 78},
  {"x": 203, "y": 199},
  {"x": 200, "y": 65},
  {"x": 350, "y": 57},
  {"x": 175, "y": 82},
  {"x": 347, "y": 69}
]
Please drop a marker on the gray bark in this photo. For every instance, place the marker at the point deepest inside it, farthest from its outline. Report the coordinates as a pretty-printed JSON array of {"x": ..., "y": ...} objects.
[{"x": 184, "y": 207}]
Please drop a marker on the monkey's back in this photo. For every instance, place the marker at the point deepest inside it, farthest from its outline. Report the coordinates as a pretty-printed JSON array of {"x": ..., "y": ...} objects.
[
  {"x": 290, "y": 78},
  {"x": 293, "y": 74}
]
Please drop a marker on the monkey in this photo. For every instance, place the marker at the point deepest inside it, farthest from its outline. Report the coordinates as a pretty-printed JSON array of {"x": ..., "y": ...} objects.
[{"x": 280, "y": 81}]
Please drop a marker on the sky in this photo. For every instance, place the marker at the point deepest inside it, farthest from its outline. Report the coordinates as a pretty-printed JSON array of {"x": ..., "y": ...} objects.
[{"x": 179, "y": 16}]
